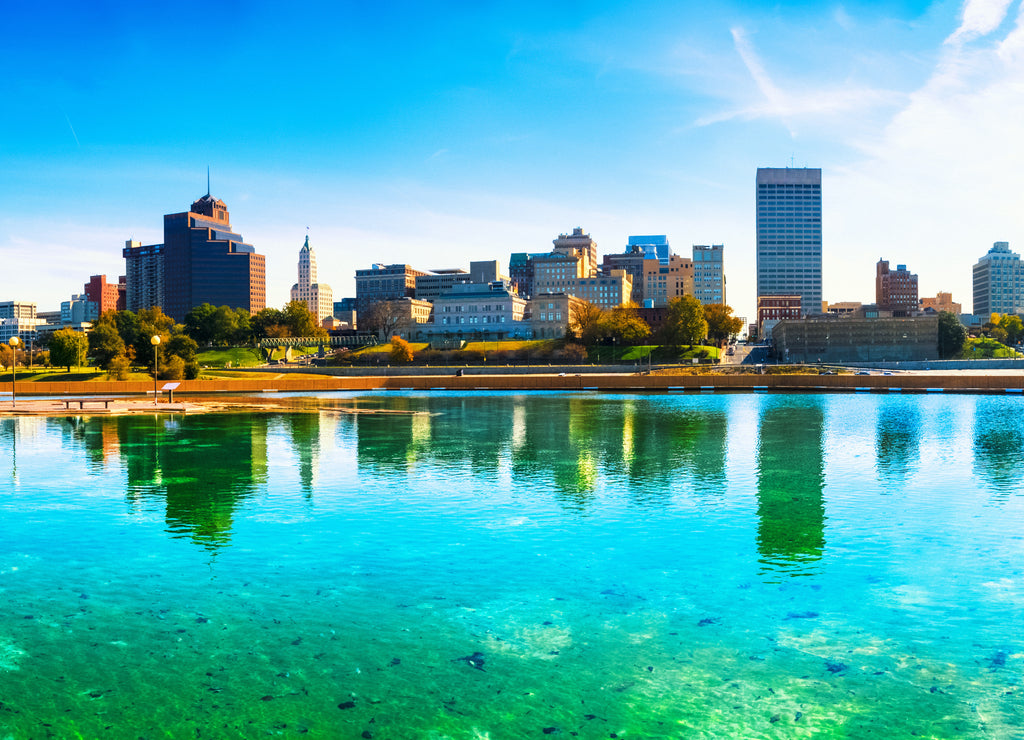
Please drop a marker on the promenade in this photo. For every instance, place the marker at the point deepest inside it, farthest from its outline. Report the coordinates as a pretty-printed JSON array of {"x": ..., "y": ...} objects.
[{"x": 131, "y": 396}]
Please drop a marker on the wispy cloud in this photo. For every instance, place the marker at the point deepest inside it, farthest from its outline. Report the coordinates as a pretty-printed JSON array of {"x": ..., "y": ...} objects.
[{"x": 790, "y": 104}]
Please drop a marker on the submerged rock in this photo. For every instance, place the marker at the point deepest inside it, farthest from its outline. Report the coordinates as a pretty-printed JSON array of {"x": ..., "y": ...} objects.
[{"x": 476, "y": 660}]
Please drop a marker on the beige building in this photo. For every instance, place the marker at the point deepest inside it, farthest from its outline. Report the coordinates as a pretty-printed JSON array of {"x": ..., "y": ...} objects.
[
  {"x": 550, "y": 315},
  {"x": 941, "y": 302},
  {"x": 662, "y": 283},
  {"x": 476, "y": 310},
  {"x": 317, "y": 296}
]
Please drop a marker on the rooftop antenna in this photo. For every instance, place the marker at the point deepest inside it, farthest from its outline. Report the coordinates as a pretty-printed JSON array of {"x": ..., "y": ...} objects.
[
  {"x": 207, "y": 179},
  {"x": 791, "y": 158}
]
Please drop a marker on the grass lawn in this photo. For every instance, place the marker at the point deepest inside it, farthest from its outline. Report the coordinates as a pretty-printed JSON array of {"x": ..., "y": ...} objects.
[
  {"x": 237, "y": 356},
  {"x": 984, "y": 348}
]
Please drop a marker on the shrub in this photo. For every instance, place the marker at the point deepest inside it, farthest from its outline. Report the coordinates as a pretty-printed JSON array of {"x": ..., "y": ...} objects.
[
  {"x": 119, "y": 367},
  {"x": 172, "y": 369}
]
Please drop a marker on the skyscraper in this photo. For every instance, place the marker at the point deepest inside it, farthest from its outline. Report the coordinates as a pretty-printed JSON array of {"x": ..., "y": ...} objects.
[
  {"x": 895, "y": 290},
  {"x": 998, "y": 282},
  {"x": 789, "y": 234},
  {"x": 317, "y": 296},
  {"x": 206, "y": 262}
]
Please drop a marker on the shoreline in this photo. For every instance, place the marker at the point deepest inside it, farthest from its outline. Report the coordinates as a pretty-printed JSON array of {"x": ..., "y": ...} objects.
[{"x": 134, "y": 397}]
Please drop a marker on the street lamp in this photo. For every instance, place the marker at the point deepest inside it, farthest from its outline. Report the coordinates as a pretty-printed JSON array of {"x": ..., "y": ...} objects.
[
  {"x": 155, "y": 341},
  {"x": 14, "y": 342}
]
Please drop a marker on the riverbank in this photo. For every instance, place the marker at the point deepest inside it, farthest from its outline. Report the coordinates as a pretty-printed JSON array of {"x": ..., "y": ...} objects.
[{"x": 128, "y": 393}]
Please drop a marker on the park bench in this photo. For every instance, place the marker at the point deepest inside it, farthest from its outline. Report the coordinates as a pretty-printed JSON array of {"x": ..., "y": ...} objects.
[{"x": 68, "y": 402}]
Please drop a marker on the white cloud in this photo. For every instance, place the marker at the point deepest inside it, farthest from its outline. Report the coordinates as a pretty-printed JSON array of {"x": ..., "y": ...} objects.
[
  {"x": 979, "y": 18},
  {"x": 789, "y": 104}
]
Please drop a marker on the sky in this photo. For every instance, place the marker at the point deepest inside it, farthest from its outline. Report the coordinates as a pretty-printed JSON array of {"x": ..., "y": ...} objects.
[{"x": 438, "y": 133}]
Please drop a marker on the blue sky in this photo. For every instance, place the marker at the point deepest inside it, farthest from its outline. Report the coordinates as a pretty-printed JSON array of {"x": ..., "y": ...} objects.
[{"x": 437, "y": 133}]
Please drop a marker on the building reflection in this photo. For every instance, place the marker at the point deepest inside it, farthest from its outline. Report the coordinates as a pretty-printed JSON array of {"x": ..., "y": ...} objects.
[
  {"x": 790, "y": 480},
  {"x": 897, "y": 439},
  {"x": 999, "y": 445}
]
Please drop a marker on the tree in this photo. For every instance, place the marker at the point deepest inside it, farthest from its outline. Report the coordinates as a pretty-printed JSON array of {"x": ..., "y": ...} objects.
[
  {"x": 68, "y": 347},
  {"x": 684, "y": 322},
  {"x": 382, "y": 317},
  {"x": 200, "y": 324},
  {"x": 584, "y": 318},
  {"x": 952, "y": 334},
  {"x": 268, "y": 323},
  {"x": 623, "y": 324},
  {"x": 105, "y": 343},
  {"x": 1013, "y": 327},
  {"x": 6, "y": 355},
  {"x": 721, "y": 323},
  {"x": 301, "y": 321},
  {"x": 401, "y": 351}
]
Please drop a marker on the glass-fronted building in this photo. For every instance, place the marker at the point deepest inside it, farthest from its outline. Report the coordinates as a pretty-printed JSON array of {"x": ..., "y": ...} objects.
[{"x": 789, "y": 234}]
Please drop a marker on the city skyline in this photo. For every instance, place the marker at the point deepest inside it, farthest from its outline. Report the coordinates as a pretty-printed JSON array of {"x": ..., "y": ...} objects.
[{"x": 437, "y": 136}]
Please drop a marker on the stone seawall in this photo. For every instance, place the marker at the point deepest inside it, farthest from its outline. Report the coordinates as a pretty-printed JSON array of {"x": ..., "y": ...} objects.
[{"x": 952, "y": 383}]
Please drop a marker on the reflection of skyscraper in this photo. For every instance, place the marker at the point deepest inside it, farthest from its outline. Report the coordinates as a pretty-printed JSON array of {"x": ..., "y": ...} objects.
[
  {"x": 202, "y": 475},
  {"x": 896, "y": 438},
  {"x": 790, "y": 477}
]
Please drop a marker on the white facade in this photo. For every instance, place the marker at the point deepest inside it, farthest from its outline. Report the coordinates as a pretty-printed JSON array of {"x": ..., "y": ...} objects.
[
  {"x": 17, "y": 318},
  {"x": 998, "y": 282},
  {"x": 317, "y": 296}
]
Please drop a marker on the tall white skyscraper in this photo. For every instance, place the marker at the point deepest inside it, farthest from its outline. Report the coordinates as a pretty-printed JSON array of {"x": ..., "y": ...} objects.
[
  {"x": 789, "y": 234},
  {"x": 317, "y": 297},
  {"x": 998, "y": 282}
]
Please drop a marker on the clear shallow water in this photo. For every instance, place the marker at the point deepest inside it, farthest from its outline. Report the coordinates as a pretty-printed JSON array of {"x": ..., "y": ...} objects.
[{"x": 518, "y": 565}]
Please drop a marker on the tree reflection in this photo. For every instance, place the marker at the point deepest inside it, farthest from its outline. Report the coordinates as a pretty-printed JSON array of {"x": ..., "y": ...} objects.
[
  {"x": 790, "y": 478},
  {"x": 999, "y": 445}
]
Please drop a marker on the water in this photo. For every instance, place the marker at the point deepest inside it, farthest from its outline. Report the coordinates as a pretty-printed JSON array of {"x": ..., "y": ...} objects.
[{"x": 518, "y": 565}]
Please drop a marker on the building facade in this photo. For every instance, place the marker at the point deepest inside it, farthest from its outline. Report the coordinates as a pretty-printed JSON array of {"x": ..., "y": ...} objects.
[
  {"x": 771, "y": 309},
  {"x": 384, "y": 283},
  {"x": 788, "y": 203},
  {"x": 664, "y": 281},
  {"x": 206, "y": 262},
  {"x": 316, "y": 295},
  {"x": 998, "y": 282},
  {"x": 709, "y": 273},
  {"x": 477, "y": 310},
  {"x": 941, "y": 302},
  {"x": 843, "y": 340},
  {"x": 144, "y": 275},
  {"x": 895, "y": 290},
  {"x": 106, "y": 296},
  {"x": 17, "y": 318}
]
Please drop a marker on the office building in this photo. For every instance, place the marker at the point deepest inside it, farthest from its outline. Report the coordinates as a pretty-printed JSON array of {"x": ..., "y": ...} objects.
[
  {"x": 998, "y": 282},
  {"x": 206, "y": 262},
  {"x": 842, "y": 340},
  {"x": 709, "y": 273},
  {"x": 384, "y": 283},
  {"x": 895, "y": 290},
  {"x": 106, "y": 296},
  {"x": 771, "y": 309},
  {"x": 316, "y": 295},
  {"x": 941, "y": 302},
  {"x": 654, "y": 247},
  {"x": 662, "y": 282},
  {"x": 17, "y": 318},
  {"x": 789, "y": 234},
  {"x": 144, "y": 275}
]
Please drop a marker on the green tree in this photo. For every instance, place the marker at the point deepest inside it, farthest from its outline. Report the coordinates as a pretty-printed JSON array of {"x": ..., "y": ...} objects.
[
  {"x": 684, "y": 322},
  {"x": 105, "y": 343},
  {"x": 721, "y": 323},
  {"x": 269, "y": 323},
  {"x": 301, "y": 321},
  {"x": 624, "y": 324},
  {"x": 119, "y": 367},
  {"x": 1013, "y": 326},
  {"x": 199, "y": 324},
  {"x": 401, "y": 351},
  {"x": 952, "y": 334},
  {"x": 68, "y": 347}
]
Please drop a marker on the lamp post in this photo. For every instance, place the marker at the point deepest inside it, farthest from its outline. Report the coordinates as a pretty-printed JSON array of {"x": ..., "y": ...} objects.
[
  {"x": 14, "y": 342},
  {"x": 155, "y": 341}
]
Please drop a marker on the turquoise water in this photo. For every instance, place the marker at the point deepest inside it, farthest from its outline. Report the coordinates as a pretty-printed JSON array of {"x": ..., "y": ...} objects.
[{"x": 518, "y": 565}]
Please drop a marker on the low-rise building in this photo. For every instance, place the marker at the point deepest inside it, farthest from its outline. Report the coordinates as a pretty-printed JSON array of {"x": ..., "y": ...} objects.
[
  {"x": 489, "y": 311},
  {"x": 941, "y": 302},
  {"x": 846, "y": 340},
  {"x": 771, "y": 309}
]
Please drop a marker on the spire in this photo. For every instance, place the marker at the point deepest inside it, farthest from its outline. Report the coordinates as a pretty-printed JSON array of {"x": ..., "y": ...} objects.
[{"x": 207, "y": 180}]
